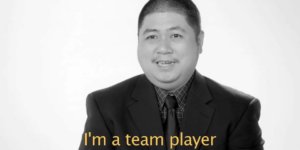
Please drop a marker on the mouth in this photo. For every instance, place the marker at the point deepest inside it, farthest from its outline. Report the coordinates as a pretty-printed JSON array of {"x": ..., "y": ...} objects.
[{"x": 165, "y": 64}]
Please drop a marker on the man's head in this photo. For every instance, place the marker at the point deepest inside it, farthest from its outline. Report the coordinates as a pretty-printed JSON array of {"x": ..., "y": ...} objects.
[
  {"x": 184, "y": 7},
  {"x": 170, "y": 40}
]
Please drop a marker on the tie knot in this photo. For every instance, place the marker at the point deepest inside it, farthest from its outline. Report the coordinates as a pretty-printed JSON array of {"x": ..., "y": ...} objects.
[{"x": 171, "y": 102}]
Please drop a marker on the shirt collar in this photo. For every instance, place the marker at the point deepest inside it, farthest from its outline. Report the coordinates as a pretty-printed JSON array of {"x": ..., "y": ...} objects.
[{"x": 180, "y": 94}]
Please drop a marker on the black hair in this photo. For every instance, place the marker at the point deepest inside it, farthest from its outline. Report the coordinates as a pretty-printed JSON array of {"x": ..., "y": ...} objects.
[{"x": 185, "y": 7}]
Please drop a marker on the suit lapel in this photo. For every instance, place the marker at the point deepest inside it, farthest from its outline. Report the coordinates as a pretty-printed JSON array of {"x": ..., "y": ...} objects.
[
  {"x": 144, "y": 110},
  {"x": 197, "y": 114}
]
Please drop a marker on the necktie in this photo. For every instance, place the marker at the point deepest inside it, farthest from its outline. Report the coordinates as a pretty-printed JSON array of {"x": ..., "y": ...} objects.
[{"x": 171, "y": 125}]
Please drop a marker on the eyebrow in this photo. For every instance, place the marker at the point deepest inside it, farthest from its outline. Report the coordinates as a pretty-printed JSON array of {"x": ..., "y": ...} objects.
[
  {"x": 170, "y": 29},
  {"x": 177, "y": 28},
  {"x": 150, "y": 30}
]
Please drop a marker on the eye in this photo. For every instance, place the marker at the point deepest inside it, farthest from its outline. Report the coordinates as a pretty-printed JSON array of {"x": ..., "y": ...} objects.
[
  {"x": 176, "y": 36},
  {"x": 150, "y": 37}
]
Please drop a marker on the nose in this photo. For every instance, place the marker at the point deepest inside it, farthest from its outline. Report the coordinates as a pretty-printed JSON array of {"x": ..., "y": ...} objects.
[{"x": 164, "y": 47}]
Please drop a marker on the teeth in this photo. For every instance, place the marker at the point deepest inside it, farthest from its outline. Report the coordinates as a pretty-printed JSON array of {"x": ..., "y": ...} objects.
[{"x": 165, "y": 62}]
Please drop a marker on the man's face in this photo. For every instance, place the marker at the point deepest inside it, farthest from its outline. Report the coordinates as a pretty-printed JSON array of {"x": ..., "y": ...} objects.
[{"x": 167, "y": 49}]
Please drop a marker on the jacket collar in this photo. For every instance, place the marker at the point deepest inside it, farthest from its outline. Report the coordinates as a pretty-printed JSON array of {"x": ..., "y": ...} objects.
[{"x": 145, "y": 112}]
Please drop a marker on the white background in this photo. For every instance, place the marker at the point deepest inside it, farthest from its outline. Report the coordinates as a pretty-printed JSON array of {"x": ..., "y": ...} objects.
[{"x": 53, "y": 53}]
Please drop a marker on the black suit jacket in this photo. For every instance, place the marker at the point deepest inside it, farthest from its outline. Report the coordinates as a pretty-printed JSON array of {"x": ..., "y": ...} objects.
[{"x": 130, "y": 107}]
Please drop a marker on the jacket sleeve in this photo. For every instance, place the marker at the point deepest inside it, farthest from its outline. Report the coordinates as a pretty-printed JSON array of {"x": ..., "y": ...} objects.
[
  {"x": 95, "y": 126},
  {"x": 247, "y": 134}
]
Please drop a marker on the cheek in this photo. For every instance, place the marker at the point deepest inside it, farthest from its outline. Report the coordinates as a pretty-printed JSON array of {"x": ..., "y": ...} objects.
[
  {"x": 145, "y": 51},
  {"x": 189, "y": 57},
  {"x": 187, "y": 53},
  {"x": 144, "y": 56}
]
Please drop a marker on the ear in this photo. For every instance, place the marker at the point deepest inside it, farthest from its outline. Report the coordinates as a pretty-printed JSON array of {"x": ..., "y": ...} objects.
[{"x": 200, "y": 41}]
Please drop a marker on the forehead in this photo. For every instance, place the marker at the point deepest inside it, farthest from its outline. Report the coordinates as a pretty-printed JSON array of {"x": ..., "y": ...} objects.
[{"x": 164, "y": 21}]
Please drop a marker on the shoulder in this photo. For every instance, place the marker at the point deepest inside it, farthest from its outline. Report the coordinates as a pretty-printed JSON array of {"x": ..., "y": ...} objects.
[
  {"x": 231, "y": 102},
  {"x": 235, "y": 113},
  {"x": 115, "y": 96},
  {"x": 118, "y": 89},
  {"x": 227, "y": 93}
]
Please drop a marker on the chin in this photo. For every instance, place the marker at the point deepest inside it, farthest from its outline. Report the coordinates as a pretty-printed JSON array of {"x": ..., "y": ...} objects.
[
  {"x": 164, "y": 81},
  {"x": 166, "y": 77}
]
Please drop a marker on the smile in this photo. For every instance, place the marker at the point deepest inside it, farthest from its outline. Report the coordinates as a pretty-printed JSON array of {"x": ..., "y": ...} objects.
[{"x": 165, "y": 64}]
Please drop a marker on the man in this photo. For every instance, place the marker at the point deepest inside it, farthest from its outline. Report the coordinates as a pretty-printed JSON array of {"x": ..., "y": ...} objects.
[{"x": 172, "y": 98}]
